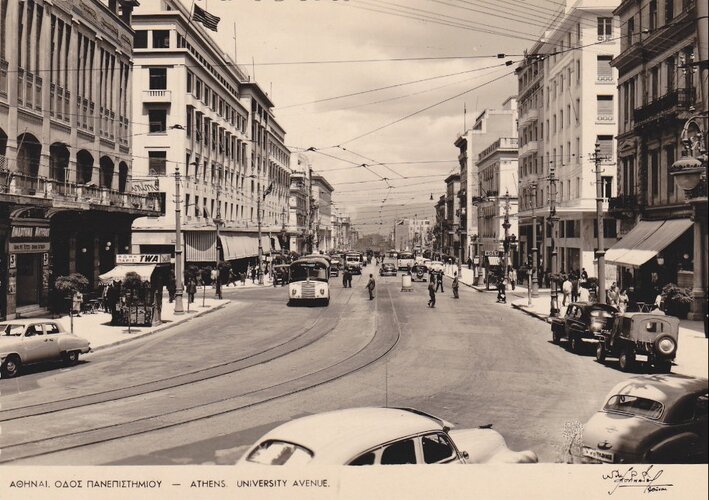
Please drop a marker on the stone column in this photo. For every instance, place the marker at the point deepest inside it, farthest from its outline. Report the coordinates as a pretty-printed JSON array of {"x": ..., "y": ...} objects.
[
  {"x": 699, "y": 288},
  {"x": 13, "y": 64}
]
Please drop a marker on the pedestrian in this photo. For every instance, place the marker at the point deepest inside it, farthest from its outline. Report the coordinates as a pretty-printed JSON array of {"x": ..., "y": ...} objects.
[
  {"x": 431, "y": 294},
  {"x": 470, "y": 263},
  {"x": 574, "y": 286},
  {"x": 501, "y": 292},
  {"x": 253, "y": 274},
  {"x": 455, "y": 285},
  {"x": 112, "y": 295},
  {"x": 622, "y": 301},
  {"x": 191, "y": 290},
  {"x": 370, "y": 287},
  {"x": 242, "y": 277},
  {"x": 612, "y": 295},
  {"x": 584, "y": 276},
  {"x": 345, "y": 272},
  {"x": 566, "y": 288},
  {"x": 439, "y": 280},
  {"x": 512, "y": 274},
  {"x": 584, "y": 294},
  {"x": 171, "y": 287}
]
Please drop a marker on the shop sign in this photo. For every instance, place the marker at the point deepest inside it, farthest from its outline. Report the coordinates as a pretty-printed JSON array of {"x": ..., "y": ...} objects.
[
  {"x": 143, "y": 258},
  {"x": 492, "y": 253},
  {"x": 146, "y": 186},
  {"x": 29, "y": 232},
  {"x": 38, "y": 247}
]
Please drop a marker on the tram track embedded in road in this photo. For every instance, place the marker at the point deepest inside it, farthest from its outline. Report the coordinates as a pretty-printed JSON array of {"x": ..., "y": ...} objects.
[{"x": 375, "y": 349}]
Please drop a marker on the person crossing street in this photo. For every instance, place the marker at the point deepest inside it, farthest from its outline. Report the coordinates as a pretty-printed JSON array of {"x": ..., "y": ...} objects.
[
  {"x": 439, "y": 281},
  {"x": 370, "y": 287},
  {"x": 455, "y": 285},
  {"x": 431, "y": 293}
]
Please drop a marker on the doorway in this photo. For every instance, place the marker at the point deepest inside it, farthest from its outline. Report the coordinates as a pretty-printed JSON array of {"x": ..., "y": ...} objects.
[{"x": 29, "y": 279}]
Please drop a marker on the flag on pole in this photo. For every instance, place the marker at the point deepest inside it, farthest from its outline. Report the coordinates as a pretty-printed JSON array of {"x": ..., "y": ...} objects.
[{"x": 208, "y": 20}]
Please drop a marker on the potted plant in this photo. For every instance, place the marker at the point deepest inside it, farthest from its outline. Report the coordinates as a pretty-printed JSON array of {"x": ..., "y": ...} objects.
[{"x": 677, "y": 300}]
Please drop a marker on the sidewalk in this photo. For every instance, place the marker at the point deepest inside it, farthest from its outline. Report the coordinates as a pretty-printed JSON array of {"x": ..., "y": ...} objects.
[
  {"x": 96, "y": 328},
  {"x": 692, "y": 350}
]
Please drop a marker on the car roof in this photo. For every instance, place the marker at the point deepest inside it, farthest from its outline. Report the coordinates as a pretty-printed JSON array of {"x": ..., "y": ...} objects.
[
  {"x": 666, "y": 389},
  {"x": 26, "y": 321},
  {"x": 594, "y": 305},
  {"x": 337, "y": 436}
]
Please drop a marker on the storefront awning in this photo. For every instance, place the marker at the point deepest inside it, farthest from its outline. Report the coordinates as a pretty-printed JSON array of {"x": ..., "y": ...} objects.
[
  {"x": 118, "y": 273},
  {"x": 645, "y": 241},
  {"x": 200, "y": 246}
]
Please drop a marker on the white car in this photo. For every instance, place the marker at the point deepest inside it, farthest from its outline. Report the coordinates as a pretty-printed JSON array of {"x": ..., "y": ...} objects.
[
  {"x": 436, "y": 265},
  {"x": 27, "y": 341},
  {"x": 379, "y": 436}
]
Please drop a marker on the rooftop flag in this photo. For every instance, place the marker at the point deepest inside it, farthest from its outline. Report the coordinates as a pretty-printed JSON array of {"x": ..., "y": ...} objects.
[{"x": 208, "y": 20}]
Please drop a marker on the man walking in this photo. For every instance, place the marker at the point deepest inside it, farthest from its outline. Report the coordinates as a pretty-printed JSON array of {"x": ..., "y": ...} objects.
[
  {"x": 455, "y": 285},
  {"x": 566, "y": 288},
  {"x": 370, "y": 287},
  {"x": 431, "y": 294},
  {"x": 439, "y": 280}
]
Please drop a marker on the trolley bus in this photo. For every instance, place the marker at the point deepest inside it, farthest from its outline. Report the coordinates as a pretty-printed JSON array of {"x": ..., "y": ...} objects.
[
  {"x": 405, "y": 260},
  {"x": 309, "y": 277}
]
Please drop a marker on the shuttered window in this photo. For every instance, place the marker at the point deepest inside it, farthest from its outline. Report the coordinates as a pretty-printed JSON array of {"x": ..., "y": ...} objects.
[
  {"x": 604, "y": 105},
  {"x": 604, "y": 70}
]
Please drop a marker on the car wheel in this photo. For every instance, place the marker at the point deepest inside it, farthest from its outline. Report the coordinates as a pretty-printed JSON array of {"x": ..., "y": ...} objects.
[
  {"x": 555, "y": 337},
  {"x": 626, "y": 359},
  {"x": 576, "y": 344},
  {"x": 71, "y": 358},
  {"x": 600, "y": 352},
  {"x": 11, "y": 366}
]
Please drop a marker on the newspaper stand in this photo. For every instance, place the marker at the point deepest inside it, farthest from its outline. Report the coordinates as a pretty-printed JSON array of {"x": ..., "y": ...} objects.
[{"x": 406, "y": 285}]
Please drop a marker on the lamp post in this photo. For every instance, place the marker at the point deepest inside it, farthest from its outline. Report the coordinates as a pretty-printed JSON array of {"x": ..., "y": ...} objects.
[
  {"x": 506, "y": 242},
  {"x": 179, "y": 309},
  {"x": 690, "y": 174},
  {"x": 534, "y": 282},
  {"x": 553, "y": 219},
  {"x": 217, "y": 223}
]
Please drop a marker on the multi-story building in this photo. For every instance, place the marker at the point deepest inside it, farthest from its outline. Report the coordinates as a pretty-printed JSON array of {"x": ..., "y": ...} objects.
[
  {"x": 439, "y": 230},
  {"x": 451, "y": 233},
  {"x": 412, "y": 233},
  {"x": 198, "y": 114},
  {"x": 321, "y": 212},
  {"x": 66, "y": 201},
  {"x": 659, "y": 91},
  {"x": 569, "y": 71},
  {"x": 497, "y": 168},
  {"x": 299, "y": 204},
  {"x": 488, "y": 126},
  {"x": 340, "y": 230}
]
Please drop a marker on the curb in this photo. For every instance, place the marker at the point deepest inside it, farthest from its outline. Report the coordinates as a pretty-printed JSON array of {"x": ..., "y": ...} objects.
[
  {"x": 163, "y": 327},
  {"x": 530, "y": 313}
]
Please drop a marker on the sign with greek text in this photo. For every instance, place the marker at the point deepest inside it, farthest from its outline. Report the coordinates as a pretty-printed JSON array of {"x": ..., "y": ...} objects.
[
  {"x": 39, "y": 247},
  {"x": 143, "y": 258}
]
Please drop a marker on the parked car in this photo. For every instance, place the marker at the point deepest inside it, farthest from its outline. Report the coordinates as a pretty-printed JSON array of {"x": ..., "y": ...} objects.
[
  {"x": 387, "y": 269},
  {"x": 581, "y": 323},
  {"x": 28, "y": 341},
  {"x": 651, "y": 338},
  {"x": 280, "y": 274},
  {"x": 650, "y": 419},
  {"x": 419, "y": 273},
  {"x": 379, "y": 436}
]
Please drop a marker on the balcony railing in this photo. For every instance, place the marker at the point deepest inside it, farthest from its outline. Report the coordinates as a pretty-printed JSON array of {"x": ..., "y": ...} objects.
[
  {"x": 57, "y": 191},
  {"x": 157, "y": 95},
  {"x": 678, "y": 99},
  {"x": 625, "y": 203}
]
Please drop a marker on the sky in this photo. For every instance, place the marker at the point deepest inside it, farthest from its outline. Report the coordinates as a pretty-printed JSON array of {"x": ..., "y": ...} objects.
[{"x": 424, "y": 51}]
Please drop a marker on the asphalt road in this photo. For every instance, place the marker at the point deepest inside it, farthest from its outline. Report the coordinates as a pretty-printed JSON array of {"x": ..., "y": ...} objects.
[{"x": 203, "y": 391}]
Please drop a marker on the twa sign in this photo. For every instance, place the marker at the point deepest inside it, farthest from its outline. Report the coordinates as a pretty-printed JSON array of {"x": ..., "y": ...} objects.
[{"x": 143, "y": 258}]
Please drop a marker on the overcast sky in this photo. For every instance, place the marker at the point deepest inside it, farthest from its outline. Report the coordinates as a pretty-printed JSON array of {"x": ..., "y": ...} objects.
[{"x": 280, "y": 37}]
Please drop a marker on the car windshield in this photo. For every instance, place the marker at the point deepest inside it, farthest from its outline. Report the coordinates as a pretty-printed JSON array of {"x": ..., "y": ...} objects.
[
  {"x": 274, "y": 452},
  {"x": 633, "y": 405},
  {"x": 300, "y": 271},
  {"x": 406, "y": 255},
  {"x": 12, "y": 330},
  {"x": 601, "y": 313}
]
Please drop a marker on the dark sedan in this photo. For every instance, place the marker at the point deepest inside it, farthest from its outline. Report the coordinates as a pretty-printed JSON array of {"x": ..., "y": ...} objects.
[
  {"x": 387, "y": 270},
  {"x": 582, "y": 323}
]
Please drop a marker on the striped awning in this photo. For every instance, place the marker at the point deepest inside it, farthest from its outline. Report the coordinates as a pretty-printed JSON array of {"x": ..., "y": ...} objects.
[
  {"x": 200, "y": 246},
  {"x": 645, "y": 241}
]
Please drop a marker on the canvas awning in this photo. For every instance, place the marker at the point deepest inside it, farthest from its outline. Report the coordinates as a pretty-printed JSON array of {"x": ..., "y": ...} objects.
[
  {"x": 200, "y": 246},
  {"x": 119, "y": 272},
  {"x": 645, "y": 241}
]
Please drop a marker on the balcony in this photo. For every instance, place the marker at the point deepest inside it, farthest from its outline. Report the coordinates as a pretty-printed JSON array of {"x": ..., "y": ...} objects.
[
  {"x": 24, "y": 188},
  {"x": 531, "y": 115},
  {"x": 529, "y": 148},
  {"x": 624, "y": 206},
  {"x": 157, "y": 96},
  {"x": 666, "y": 105}
]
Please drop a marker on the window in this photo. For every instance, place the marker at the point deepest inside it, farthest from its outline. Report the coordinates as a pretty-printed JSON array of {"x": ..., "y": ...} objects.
[
  {"x": 606, "y": 144},
  {"x": 158, "y": 78},
  {"x": 190, "y": 78},
  {"x": 140, "y": 39},
  {"x": 188, "y": 122},
  {"x": 196, "y": 206},
  {"x": 604, "y": 71},
  {"x": 631, "y": 31},
  {"x": 157, "y": 162},
  {"x": 670, "y": 69},
  {"x": 669, "y": 160},
  {"x": 161, "y": 39},
  {"x": 437, "y": 448},
  {"x": 652, "y": 15},
  {"x": 655, "y": 167},
  {"x": 605, "y": 28},
  {"x": 158, "y": 120},
  {"x": 366, "y": 459},
  {"x": 275, "y": 452},
  {"x": 51, "y": 328},
  {"x": 607, "y": 186},
  {"x": 654, "y": 83},
  {"x": 604, "y": 107},
  {"x": 402, "y": 452},
  {"x": 669, "y": 10}
]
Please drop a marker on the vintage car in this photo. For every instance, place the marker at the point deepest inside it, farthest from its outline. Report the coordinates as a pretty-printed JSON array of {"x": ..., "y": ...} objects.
[
  {"x": 28, "y": 341},
  {"x": 280, "y": 274},
  {"x": 387, "y": 269},
  {"x": 336, "y": 262},
  {"x": 651, "y": 338},
  {"x": 379, "y": 436},
  {"x": 427, "y": 263},
  {"x": 436, "y": 265},
  {"x": 419, "y": 273},
  {"x": 581, "y": 324},
  {"x": 650, "y": 419}
]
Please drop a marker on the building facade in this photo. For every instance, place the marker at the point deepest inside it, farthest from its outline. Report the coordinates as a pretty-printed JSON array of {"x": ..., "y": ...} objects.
[
  {"x": 497, "y": 167},
  {"x": 451, "y": 227},
  {"x": 660, "y": 89},
  {"x": 298, "y": 229},
  {"x": 412, "y": 234},
  {"x": 488, "y": 126},
  {"x": 569, "y": 104},
  {"x": 66, "y": 200},
  {"x": 321, "y": 213},
  {"x": 199, "y": 114}
]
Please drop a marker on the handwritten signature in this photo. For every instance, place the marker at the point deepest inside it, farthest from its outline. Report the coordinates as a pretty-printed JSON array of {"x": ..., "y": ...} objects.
[{"x": 646, "y": 479}]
